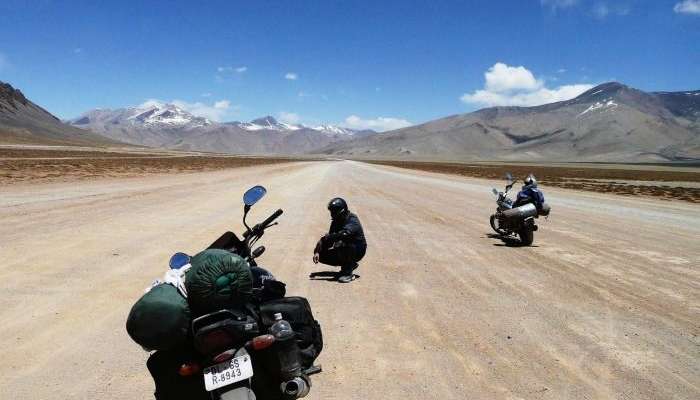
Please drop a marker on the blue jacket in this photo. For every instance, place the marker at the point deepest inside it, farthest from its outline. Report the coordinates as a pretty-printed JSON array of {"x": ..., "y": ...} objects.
[{"x": 530, "y": 194}]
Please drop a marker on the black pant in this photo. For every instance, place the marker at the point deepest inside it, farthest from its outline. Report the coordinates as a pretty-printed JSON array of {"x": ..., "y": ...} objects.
[{"x": 342, "y": 255}]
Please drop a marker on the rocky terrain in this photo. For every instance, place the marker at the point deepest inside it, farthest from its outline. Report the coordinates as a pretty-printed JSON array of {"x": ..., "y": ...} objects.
[
  {"x": 611, "y": 122},
  {"x": 24, "y": 122}
]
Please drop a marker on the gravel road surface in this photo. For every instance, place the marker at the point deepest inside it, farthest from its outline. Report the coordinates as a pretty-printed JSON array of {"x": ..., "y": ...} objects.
[{"x": 605, "y": 305}]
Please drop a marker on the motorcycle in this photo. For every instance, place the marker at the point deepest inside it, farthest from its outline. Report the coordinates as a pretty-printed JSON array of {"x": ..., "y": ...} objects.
[
  {"x": 227, "y": 338},
  {"x": 509, "y": 220}
]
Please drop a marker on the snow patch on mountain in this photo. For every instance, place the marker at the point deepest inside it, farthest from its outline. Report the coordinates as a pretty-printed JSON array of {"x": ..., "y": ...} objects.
[
  {"x": 166, "y": 114},
  {"x": 267, "y": 123},
  {"x": 334, "y": 130},
  {"x": 605, "y": 104},
  {"x": 271, "y": 124}
]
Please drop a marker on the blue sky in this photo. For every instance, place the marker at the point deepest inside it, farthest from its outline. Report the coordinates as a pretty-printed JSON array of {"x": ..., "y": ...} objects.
[{"x": 379, "y": 64}]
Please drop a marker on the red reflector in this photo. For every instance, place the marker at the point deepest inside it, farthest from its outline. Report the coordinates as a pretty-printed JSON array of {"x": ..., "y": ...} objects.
[
  {"x": 226, "y": 355},
  {"x": 189, "y": 369},
  {"x": 263, "y": 342}
]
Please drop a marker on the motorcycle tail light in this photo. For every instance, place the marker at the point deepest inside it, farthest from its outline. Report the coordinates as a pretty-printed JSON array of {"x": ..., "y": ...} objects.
[
  {"x": 262, "y": 342},
  {"x": 188, "y": 369},
  {"x": 215, "y": 340},
  {"x": 226, "y": 355}
]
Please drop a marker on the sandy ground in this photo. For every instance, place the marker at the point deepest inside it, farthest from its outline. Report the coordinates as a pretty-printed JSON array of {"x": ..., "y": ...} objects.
[{"x": 606, "y": 305}]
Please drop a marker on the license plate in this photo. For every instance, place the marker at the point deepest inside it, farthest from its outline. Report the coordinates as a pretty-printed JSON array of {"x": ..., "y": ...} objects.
[{"x": 228, "y": 372}]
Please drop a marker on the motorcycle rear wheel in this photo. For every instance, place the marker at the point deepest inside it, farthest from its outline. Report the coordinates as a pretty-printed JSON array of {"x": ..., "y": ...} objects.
[
  {"x": 527, "y": 236},
  {"x": 494, "y": 225}
]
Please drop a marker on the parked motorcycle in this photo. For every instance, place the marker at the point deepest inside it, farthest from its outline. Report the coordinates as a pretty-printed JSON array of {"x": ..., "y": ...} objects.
[
  {"x": 509, "y": 220},
  {"x": 227, "y": 338}
]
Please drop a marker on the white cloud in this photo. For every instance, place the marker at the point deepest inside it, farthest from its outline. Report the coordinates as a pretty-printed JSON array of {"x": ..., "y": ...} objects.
[
  {"x": 602, "y": 10},
  {"x": 504, "y": 78},
  {"x": 289, "y": 118},
  {"x": 517, "y": 86},
  {"x": 226, "y": 72},
  {"x": 599, "y": 10},
  {"x": 207, "y": 94},
  {"x": 222, "y": 104},
  {"x": 215, "y": 112},
  {"x": 291, "y": 76},
  {"x": 151, "y": 103},
  {"x": 232, "y": 69},
  {"x": 380, "y": 124},
  {"x": 78, "y": 50},
  {"x": 688, "y": 7},
  {"x": 554, "y": 4},
  {"x": 561, "y": 70}
]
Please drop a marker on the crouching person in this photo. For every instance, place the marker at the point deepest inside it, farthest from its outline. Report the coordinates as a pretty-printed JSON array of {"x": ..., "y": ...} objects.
[{"x": 344, "y": 245}]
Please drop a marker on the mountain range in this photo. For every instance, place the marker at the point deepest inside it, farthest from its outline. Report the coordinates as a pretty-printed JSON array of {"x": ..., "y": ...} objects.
[
  {"x": 611, "y": 122},
  {"x": 24, "y": 122},
  {"x": 169, "y": 126}
]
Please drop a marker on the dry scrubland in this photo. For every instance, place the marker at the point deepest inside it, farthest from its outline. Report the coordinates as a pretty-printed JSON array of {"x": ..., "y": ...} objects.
[
  {"x": 681, "y": 183},
  {"x": 25, "y": 165}
]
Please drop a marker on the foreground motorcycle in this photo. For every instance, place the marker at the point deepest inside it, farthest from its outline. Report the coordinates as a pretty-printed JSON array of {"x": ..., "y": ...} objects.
[
  {"x": 509, "y": 220},
  {"x": 228, "y": 339}
]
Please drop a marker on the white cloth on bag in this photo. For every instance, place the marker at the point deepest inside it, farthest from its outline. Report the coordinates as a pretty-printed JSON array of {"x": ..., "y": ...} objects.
[{"x": 175, "y": 277}]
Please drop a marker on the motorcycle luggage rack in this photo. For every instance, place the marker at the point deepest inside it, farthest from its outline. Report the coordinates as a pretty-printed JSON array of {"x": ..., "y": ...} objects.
[{"x": 222, "y": 328}]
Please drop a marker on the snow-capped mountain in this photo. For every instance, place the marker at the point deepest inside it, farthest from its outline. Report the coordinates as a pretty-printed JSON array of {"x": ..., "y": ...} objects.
[
  {"x": 270, "y": 123},
  {"x": 266, "y": 123},
  {"x": 150, "y": 116},
  {"x": 166, "y": 125},
  {"x": 168, "y": 115},
  {"x": 335, "y": 130}
]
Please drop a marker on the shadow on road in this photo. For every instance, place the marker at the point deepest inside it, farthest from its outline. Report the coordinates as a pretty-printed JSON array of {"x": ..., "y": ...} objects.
[
  {"x": 508, "y": 241},
  {"x": 331, "y": 276}
]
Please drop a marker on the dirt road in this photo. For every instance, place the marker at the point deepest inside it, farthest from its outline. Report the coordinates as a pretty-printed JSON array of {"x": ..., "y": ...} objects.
[{"x": 605, "y": 306}]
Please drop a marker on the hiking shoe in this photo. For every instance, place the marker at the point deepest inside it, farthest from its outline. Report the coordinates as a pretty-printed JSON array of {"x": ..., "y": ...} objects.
[{"x": 346, "y": 278}]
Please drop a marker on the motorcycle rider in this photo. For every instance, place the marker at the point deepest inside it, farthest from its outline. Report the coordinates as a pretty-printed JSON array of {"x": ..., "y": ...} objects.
[
  {"x": 345, "y": 243},
  {"x": 529, "y": 193}
]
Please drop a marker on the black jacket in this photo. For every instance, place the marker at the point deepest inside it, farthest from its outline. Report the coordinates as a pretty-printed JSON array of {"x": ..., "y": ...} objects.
[{"x": 347, "y": 229}]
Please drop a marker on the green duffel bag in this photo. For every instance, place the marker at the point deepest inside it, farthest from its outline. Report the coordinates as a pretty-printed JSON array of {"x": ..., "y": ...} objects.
[
  {"x": 160, "y": 319},
  {"x": 218, "y": 279}
]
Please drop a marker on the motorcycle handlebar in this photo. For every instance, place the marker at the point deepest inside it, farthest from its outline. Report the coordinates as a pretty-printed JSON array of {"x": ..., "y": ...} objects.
[{"x": 271, "y": 218}]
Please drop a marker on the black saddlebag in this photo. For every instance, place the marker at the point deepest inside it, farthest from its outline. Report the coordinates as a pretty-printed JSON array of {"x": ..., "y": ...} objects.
[{"x": 296, "y": 311}]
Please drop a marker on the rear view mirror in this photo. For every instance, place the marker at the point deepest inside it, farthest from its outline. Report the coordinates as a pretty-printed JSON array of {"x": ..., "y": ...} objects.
[
  {"x": 253, "y": 195},
  {"x": 495, "y": 192},
  {"x": 509, "y": 177},
  {"x": 179, "y": 260}
]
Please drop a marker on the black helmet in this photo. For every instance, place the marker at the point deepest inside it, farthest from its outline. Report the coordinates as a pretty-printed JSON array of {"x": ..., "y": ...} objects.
[{"x": 337, "y": 207}]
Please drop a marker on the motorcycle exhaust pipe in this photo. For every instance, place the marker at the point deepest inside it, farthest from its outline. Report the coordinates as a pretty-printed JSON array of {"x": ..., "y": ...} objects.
[
  {"x": 522, "y": 212},
  {"x": 297, "y": 387}
]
